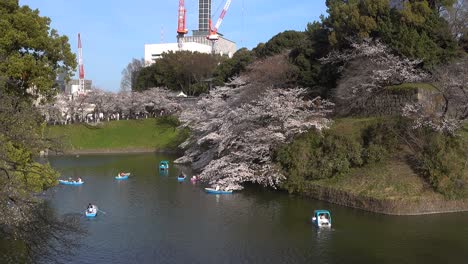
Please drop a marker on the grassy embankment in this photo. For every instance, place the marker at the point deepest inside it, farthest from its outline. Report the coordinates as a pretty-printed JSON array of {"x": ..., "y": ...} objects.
[
  {"x": 120, "y": 136},
  {"x": 392, "y": 178},
  {"x": 388, "y": 186}
]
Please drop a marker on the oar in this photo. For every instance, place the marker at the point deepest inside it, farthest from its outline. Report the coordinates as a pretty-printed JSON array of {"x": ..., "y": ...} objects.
[{"x": 101, "y": 211}]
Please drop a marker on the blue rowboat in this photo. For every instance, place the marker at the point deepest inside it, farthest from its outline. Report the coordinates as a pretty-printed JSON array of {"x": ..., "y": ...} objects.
[
  {"x": 70, "y": 182},
  {"x": 164, "y": 165},
  {"x": 181, "y": 179},
  {"x": 322, "y": 218},
  {"x": 214, "y": 191},
  {"x": 91, "y": 213},
  {"x": 123, "y": 176}
]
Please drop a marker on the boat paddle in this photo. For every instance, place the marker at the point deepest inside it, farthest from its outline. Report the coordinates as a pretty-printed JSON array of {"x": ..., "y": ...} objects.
[{"x": 102, "y": 211}]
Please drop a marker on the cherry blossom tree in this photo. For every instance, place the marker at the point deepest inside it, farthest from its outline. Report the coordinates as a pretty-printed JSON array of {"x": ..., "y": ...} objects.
[
  {"x": 451, "y": 81},
  {"x": 369, "y": 66},
  {"x": 107, "y": 105},
  {"x": 234, "y": 131}
]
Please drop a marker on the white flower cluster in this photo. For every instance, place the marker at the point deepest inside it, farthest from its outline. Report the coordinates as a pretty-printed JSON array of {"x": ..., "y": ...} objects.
[
  {"x": 379, "y": 67},
  {"x": 440, "y": 124},
  {"x": 98, "y": 105},
  {"x": 234, "y": 131}
]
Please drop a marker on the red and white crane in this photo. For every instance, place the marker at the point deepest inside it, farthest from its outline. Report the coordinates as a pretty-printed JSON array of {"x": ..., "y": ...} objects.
[
  {"x": 213, "y": 36},
  {"x": 181, "y": 28},
  {"x": 81, "y": 88}
]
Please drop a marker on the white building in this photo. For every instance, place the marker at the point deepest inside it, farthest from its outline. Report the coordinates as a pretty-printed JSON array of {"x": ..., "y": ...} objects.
[
  {"x": 200, "y": 44},
  {"x": 73, "y": 86},
  {"x": 155, "y": 51}
]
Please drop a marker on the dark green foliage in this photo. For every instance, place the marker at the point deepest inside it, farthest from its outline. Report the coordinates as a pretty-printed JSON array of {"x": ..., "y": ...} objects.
[
  {"x": 233, "y": 66},
  {"x": 311, "y": 73},
  {"x": 31, "y": 56},
  {"x": 169, "y": 120},
  {"x": 31, "y": 53},
  {"x": 380, "y": 140},
  {"x": 285, "y": 41},
  {"x": 279, "y": 43},
  {"x": 416, "y": 30},
  {"x": 315, "y": 156},
  {"x": 190, "y": 72},
  {"x": 442, "y": 160}
]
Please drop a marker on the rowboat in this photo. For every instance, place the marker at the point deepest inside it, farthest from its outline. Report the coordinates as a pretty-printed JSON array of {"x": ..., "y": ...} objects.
[
  {"x": 92, "y": 212},
  {"x": 71, "y": 182},
  {"x": 322, "y": 218},
  {"x": 164, "y": 165},
  {"x": 122, "y": 176},
  {"x": 181, "y": 179},
  {"x": 214, "y": 191}
]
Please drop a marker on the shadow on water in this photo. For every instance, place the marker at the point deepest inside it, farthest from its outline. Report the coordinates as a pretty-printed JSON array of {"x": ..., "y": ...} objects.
[{"x": 45, "y": 238}]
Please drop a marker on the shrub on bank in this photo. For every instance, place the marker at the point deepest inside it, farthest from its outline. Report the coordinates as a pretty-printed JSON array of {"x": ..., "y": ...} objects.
[
  {"x": 440, "y": 159},
  {"x": 315, "y": 155}
]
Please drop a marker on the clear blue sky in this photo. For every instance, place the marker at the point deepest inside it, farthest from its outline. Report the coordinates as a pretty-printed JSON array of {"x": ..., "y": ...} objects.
[{"x": 115, "y": 31}]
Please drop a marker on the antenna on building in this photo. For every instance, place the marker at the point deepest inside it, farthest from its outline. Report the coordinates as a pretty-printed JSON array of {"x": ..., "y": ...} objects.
[{"x": 81, "y": 87}]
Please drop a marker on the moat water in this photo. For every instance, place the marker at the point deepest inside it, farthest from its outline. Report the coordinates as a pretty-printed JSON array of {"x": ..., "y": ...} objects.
[{"x": 152, "y": 218}]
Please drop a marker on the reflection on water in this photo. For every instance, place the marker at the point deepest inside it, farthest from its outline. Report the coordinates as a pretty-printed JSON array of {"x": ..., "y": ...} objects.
[
  {"x": 163, "y": 172},
  {"x": 151, "y": 218}
]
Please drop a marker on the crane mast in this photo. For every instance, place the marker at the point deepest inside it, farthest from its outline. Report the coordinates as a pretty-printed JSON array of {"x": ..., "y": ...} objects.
[
  {"x": 213, "y": 36},
  {"x": 81, "y": 87},
  {"x": 181, "y": 28}
]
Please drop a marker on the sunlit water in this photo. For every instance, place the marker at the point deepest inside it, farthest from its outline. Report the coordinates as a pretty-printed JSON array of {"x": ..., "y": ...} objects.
[{"x": 151, "y": 218}]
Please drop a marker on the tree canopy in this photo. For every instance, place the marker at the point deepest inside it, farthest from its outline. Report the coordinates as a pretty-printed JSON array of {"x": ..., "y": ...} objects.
[
  {"x": 180, "y": 71},
  {"x": 130, "y": 73},
  {"x": 31, "y": 53},
  {"x": 31, "y": 56},
  {"x": 414, "y": 29}
]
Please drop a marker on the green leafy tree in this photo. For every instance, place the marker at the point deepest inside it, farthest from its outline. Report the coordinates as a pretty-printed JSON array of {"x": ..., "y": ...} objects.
[
  {"x": 415, "y": 30},
  {"x": 31, "y": 55},
  {"x": 185, "y": 71},
  {"x": 286, "y": 40},
  {"x": 311, "y": 73},
  {"x": 233, "y": 66}
]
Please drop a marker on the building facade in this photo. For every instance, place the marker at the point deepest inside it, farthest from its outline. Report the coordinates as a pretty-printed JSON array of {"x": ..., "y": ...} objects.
[
  {"x": 73, "y": 86},
  {"x": 154, "y": 52}
]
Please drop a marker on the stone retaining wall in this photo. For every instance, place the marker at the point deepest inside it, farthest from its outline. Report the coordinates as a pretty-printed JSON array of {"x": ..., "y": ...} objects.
[
  {"x": 390, "y": 102},
  {"x": 385, "y": 206}
]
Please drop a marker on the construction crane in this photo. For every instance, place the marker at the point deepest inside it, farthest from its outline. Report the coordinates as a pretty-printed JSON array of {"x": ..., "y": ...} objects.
[
  {"x": 81, "y": 87},
  {"x": 213, "y": 36},
  {"x": 181, "y": 29}
]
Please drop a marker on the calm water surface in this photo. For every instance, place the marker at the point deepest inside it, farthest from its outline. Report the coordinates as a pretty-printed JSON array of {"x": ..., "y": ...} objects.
[{"x": 151, "y": 218}]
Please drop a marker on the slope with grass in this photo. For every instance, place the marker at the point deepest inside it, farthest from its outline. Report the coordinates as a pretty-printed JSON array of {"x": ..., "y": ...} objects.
[
  {"x": 356, "y": 163},
  {"x": 143, "y": 135}
]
